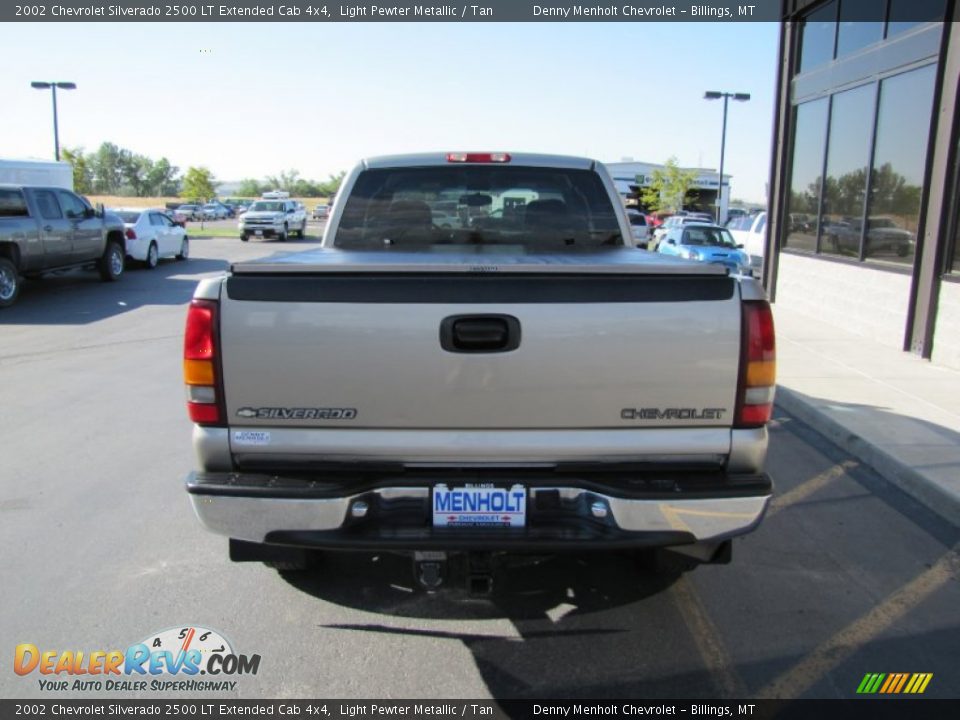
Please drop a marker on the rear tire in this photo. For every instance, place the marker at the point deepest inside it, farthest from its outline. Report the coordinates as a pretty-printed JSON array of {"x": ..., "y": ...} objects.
[
  {"x": 184, "y": 249},
  {"x": 153, "y": 257},
  {"x": 282, "y": 237},
  {"x": 110, "y": 264},
  {"x": 9, "y": 282}
]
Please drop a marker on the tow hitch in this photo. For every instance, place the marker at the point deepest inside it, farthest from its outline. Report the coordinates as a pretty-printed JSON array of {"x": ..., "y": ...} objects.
[{"x": 429, "y": 569}]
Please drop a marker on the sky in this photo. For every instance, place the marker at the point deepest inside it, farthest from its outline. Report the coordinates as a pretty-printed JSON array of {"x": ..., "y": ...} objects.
[{"x": 251, "y": 100}]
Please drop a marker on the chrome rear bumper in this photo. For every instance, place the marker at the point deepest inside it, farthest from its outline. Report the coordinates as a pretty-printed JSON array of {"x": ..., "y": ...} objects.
[{"x": 561, "y": 515}]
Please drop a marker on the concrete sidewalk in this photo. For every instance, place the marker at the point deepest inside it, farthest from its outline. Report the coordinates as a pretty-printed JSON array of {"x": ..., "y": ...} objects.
[{"x": 892, "y": 410}]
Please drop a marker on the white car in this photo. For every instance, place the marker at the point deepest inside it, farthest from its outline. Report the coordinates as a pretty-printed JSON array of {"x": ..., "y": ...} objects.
[
  {"x": 748, "y": 231},
  {"x": 640, "y": 228},
  {"x": 151, "y": 235},
  {"x": 212, "y": 211}
]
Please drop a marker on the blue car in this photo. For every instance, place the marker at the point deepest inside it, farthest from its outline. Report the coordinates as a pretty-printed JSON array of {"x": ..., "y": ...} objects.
[{"x": 707, "y": 243}]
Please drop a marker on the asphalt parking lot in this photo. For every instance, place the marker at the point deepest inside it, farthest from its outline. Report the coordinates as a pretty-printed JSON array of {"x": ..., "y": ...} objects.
[{"x": 846, "y": 576}]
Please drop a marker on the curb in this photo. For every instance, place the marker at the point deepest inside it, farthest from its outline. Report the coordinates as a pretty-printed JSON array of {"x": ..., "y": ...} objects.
[{"x": 922, "y": 489}]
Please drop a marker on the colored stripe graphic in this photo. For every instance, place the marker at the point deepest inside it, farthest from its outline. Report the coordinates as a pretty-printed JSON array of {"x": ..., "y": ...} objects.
[{"x": 894, "y": 683}]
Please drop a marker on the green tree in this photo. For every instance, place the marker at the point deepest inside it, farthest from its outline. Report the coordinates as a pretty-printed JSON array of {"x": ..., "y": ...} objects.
[
  {"x": 249, "y": 188},
  {"x": 331, "y": 186},
  {"x": 198, "y": 184},
  {"x": 162, "y": 179},
  {"x": 107, "y": 165},
  {"x": 82, "y": 174},
  {"x": 286, "y": 180},
  {"x": 668, "y": 187}
]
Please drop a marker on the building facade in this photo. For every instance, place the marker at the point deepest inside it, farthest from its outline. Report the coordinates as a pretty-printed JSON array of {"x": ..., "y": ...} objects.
[{"x": 865, "y": 182}]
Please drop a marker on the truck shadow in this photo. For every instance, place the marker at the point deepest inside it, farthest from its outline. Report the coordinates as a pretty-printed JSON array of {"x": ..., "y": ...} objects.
[
  {"x": 523, "y": 586},
  {"x": 78, "y": 297},
  {"x": 576, "y": 625}
]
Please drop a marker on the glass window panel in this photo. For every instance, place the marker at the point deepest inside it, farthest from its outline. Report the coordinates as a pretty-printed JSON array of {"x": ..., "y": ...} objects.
[
  {"x": 903, "y": 123},
  {"x": 809, "y": 143},
  {"x": 857, "y": 29},
  {"x": 905, "y": 14},
  {"x": 848, "y": 156},
  {"x": 816, "y": 43}
]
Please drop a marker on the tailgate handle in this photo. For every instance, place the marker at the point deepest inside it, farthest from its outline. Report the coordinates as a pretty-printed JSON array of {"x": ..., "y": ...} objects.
[{"x": 479, "y": 333}]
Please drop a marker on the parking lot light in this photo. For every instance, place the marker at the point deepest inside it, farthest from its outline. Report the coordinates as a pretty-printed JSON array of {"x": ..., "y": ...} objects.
[
  {"x": 716, "y": 95},
  {"x": 38, "y": 85}
]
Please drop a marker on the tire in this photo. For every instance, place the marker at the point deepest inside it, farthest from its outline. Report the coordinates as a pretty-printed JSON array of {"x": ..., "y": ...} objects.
[
  {"x": 153, "y": 257},
  {"x": 303, "y": 230},
  {"x": 244, "y": 237},
  {"x": 282, "y": 237},
  {"x": 9, "y": 283},
  {"x": 184, "y": 248},
  {"x": 110, "y": 264}
]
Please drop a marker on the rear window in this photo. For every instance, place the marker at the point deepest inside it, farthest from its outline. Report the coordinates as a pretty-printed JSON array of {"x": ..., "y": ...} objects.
[
  {"x": 128, "y": 216},
  {"x": 637, "y": 220},
  {"x": 537, "y": 208},
  {"x": 12, "y": 204}
]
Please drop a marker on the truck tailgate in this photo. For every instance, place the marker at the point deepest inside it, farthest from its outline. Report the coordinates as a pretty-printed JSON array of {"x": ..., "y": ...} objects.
[{"x": 362, "y": 347}]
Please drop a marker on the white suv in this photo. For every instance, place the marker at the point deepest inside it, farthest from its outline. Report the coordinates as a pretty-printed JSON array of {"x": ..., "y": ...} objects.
[{"x": 273, "y": 218}]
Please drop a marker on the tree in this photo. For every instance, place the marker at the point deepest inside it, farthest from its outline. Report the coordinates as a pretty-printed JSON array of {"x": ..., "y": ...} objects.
[
  {"x": 82, "y": 174},
  {"x": 107, "y": 168},
  {"x": 668, "y": 187},
  {"x": 249, "y": 188},
  {"x": 286, "y": 180},
  {"x": 198, "y": 184},
  {"x": 162, "y": 178}
]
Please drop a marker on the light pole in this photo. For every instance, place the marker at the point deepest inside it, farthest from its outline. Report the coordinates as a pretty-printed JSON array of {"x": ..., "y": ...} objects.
[
  {"x": 715, "y": 95},
  {"x": 53, "y": 87}
]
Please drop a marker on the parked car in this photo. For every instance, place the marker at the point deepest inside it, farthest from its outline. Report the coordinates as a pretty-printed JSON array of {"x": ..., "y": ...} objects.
[
  {"x": 212, "y": 212},
  {"x": 49, "y": 229},
  {"x": 320, "y": 212},
  {"x": 151, "y": 235},
  {"x": 640, "y": 227},
  {"x": 749, "y": 232},
  {"x": 177, "y": 217},
  {"x": 884, "y": 236},
  {"x": 190, "y": 212},
  {"x": 706, "y": 243},
  {"x": 676, "y": 221}
]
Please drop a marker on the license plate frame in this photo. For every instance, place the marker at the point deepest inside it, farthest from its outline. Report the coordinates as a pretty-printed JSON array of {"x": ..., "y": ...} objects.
[
  {"x": 258, "y": 233},
  {"x": 463, "y": 506}
]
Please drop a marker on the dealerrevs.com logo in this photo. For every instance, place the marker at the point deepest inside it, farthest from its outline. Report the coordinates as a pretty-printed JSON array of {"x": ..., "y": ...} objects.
[{"x": 172, "y": 660}]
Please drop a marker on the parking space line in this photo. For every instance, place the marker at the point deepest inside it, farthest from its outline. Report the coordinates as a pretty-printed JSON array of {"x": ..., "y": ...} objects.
[
  {"x": 809, "y": 487},
  {"x": 828, "y": 655},
  {"x": 709, "y": 645}
]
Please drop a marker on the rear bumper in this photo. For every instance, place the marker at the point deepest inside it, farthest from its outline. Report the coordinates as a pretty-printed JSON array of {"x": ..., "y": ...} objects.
[{"x": 575, "y": 512}]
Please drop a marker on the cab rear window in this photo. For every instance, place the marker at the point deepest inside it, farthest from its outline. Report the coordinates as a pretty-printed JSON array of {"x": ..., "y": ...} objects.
[
  {"x": 536, "y": 208},
  {"x": 12, "y": 204}
]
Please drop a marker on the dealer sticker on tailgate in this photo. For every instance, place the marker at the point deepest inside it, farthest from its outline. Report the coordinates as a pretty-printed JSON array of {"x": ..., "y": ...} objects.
[{"x": 479, "y": 506}]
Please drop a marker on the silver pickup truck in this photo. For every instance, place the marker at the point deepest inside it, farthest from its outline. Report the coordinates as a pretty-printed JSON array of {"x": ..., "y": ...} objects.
[
  {"x": 524, "y": 380},
  {"x": 46, "y": 229}
]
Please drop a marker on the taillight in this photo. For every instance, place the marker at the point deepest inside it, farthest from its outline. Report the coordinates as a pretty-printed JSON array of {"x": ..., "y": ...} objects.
[
  {"x": 758, "y": 366},
  {"x": 200, "y": 363},
  {"x": 473, "y": 157},
  {"x": 131, "y": 235}
]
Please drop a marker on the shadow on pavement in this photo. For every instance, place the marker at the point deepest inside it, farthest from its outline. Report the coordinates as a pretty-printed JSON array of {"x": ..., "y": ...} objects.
[{"x": 79, "y": 297}]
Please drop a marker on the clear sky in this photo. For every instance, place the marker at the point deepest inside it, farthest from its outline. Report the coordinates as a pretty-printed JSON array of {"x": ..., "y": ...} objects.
[{"x": 248, "y": 99}]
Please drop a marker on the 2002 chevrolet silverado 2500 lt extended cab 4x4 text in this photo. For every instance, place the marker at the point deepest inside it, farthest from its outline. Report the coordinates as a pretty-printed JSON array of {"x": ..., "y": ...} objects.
[
  {"x": 49, "y": 229},
  {"x": 477, "y": 387}
]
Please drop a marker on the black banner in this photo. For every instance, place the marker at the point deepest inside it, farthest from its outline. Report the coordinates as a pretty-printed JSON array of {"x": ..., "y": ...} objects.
[
  {"x": 389, "y": 11},
  {"x": 885, "y": 709}
]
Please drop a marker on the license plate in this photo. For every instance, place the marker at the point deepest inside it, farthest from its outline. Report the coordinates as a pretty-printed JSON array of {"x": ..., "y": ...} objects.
[
  {"x": 481, "y": 506},
  {"x": 258, "y": 232}
]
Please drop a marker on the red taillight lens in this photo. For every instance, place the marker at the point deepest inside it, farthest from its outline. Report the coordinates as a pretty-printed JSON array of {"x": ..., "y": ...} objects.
[
  {"x": 758, "y": 372},
  {"x": 131, "y": 235},
  {"x": 200, "y": 363},
  {"x": 473, "y": 157}
]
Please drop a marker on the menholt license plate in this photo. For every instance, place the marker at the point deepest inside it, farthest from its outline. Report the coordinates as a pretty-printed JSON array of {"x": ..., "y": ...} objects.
[{"x": 479, "y": 506}]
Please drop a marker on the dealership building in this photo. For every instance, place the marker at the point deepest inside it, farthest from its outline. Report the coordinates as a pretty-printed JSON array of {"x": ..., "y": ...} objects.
[
  {"x": 631, "y": 177},
  {"x": 865, "y": 179}
]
